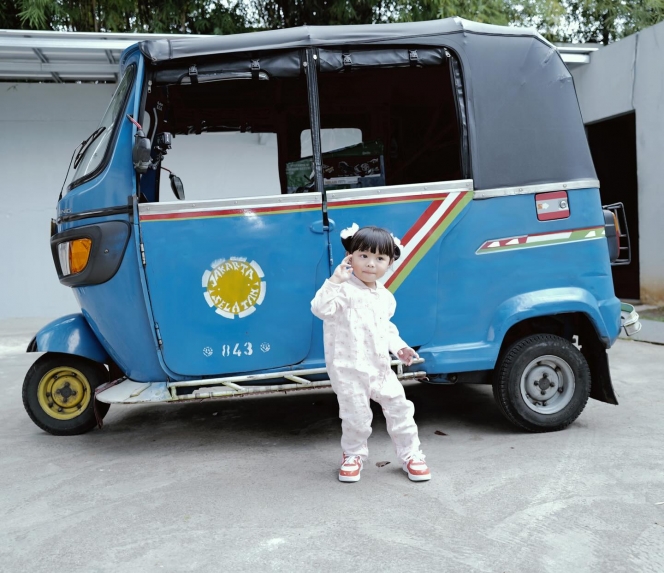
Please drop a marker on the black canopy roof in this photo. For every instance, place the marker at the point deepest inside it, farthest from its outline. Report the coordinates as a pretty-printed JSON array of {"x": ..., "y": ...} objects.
[{"x": 524, "y": 122}]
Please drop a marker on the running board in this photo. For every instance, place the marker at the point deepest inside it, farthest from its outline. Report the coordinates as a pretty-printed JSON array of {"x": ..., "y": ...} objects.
[{"x": 130, "y": 392}]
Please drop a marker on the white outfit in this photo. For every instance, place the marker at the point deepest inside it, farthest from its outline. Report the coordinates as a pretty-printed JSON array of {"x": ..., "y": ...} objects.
[{"x": 358, "y": 338}]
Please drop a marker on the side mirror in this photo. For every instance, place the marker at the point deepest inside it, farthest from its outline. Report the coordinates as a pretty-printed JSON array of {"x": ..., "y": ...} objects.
[
  {"x": 176, "y": 185},
  {"x": 140, "y": 154}
]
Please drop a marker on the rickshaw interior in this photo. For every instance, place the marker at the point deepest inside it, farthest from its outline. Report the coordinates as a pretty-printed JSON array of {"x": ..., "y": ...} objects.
[{"x": 395, "y": 125}]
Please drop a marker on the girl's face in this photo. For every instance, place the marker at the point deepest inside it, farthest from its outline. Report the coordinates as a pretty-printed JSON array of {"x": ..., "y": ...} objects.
[{"x": 369, "y": 267}]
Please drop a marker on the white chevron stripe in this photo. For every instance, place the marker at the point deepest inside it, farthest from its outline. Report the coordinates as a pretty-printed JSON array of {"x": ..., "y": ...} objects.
[{"x": 406, "y": 250}]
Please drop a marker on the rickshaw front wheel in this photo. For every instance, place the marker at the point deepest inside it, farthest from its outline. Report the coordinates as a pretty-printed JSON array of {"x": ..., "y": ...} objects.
[
  {"x": 58, "y": 393},
  {"x": 542, "y": 383}
]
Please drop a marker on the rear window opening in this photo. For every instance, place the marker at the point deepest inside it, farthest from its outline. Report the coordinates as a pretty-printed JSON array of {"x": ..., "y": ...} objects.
[
  {"x": 380, "y": 126},
  {"x": 407, "y": 118}
]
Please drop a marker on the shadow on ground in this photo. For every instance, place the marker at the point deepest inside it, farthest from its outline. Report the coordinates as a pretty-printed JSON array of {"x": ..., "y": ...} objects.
[{"x": 308, "y": 415}]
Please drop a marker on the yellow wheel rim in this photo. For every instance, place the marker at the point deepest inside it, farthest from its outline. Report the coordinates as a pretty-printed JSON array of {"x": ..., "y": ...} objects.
[{"x": 64, "y": 393}]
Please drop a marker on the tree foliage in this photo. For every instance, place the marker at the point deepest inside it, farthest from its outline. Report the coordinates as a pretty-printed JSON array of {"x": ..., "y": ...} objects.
[
  {"x": 559, "y": 20},
  {"x": 157, "y": 16},
  {"x": 605, "y": 21},
  {"x": 9, "y": 17}
]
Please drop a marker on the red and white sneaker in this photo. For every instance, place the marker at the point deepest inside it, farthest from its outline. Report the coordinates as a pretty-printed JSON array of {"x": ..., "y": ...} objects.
[
  {"x": 417, "y": 469},
  {"x": 350, "y": 468}
]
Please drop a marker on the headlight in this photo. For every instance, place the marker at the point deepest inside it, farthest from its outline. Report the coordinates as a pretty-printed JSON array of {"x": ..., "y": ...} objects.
[{"x": 74, "y": 255}]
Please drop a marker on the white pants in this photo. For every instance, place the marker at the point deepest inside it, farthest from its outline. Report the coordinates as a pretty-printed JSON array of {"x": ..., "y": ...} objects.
[{"x": 356, "y": 415}]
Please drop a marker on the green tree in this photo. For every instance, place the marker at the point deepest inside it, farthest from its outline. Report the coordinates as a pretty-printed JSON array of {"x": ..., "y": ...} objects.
[
  {"x": 286, "y": 13},
  {"x": 275, "y": 14},
  {"x": 9, "y": 18},
  {"x": 161, "y": 16},
  {"x": 605, "y": 21},
  {"x": 559, "y": 20}
]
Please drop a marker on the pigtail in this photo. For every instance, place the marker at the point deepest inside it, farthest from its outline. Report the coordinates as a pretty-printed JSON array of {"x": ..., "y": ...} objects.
[
  {"x": 347, "y": 236},
  {"x": 397, "y": 247}
]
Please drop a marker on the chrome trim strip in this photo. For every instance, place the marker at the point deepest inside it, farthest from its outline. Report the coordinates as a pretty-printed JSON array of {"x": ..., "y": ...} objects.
[
  {"x": 397, "y": 190},
  {"x": 304, "y": 198},
  {"x": 532, "y": 189},
  {"x": 235, "y": 203}
]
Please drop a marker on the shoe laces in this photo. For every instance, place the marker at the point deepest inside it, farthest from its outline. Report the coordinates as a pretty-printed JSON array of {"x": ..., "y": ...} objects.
[
  {"x": 351, "y": 460},
  {"x": 416, "y": 459}
]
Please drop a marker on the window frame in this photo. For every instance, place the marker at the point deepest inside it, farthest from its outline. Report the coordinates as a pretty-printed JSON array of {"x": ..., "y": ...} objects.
[{"x": 132, "y": 68}]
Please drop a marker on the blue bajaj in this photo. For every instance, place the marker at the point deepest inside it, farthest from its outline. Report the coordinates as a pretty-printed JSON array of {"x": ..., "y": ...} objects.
[{"x": 205, "y": 212}]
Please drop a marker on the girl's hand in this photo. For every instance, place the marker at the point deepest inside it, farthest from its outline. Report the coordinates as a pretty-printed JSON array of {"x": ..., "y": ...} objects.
[
  {"x": 407, "y": 355},
  {"x": 343, "y": 272}
]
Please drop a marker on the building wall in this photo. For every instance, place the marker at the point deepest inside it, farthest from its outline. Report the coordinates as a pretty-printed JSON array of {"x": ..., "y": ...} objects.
[
  {"x": 40, "y": 125},
  {"x": 623, "y": 77}
]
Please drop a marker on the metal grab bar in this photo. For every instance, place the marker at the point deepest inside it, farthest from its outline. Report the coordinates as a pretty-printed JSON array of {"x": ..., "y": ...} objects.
[{"x": 234, "y": 388}]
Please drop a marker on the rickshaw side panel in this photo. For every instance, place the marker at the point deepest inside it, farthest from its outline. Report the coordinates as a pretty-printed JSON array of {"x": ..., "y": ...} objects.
[
  {"x": 71, "y": 334},
  {"x": 230, "y": 288},
  {"x": 421, "y": 218},
  {"x": 573, "y": 265}
]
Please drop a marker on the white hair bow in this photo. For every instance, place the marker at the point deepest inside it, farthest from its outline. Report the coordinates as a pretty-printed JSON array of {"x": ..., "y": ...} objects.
[{"x": 350, "y": 231}]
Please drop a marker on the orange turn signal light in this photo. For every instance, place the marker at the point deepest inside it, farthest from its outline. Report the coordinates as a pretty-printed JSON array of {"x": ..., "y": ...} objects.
[
  {"x": 74, "y": 255},
  {"x": 79, "y": 253}
]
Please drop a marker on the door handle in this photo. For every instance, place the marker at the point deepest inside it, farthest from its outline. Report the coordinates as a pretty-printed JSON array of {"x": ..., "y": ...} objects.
[{"x": 318, "y": 227}]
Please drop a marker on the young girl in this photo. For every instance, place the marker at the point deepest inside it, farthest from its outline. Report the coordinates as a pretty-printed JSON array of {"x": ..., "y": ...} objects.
[{"x": 358, "y": 338}]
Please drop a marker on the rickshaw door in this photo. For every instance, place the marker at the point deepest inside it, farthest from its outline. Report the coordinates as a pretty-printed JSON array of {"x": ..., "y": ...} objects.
[{"x": 230, "y": 286}]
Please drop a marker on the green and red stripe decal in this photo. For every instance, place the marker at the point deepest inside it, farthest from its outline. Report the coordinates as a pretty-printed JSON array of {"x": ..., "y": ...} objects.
[
  {"x": 227, "y": 212},
  {"x": 443, "y": 208},
  {"x": 541, "y": 240},
  {"x": 424, "y": 234}
]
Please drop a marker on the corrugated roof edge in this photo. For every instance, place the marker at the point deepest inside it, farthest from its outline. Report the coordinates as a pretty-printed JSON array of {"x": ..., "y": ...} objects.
[{"x": 288, "y": 38}]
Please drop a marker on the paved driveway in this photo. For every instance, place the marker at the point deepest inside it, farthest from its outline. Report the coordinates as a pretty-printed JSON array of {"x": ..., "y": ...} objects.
[{"x": 250, "y": 485}]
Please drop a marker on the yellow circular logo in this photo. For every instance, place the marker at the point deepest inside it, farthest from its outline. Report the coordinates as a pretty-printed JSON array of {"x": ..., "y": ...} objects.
[{"x": 234, "y": 287}]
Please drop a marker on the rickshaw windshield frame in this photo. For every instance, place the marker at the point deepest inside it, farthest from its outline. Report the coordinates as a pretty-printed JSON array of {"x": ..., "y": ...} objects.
[{"x": 110, "y": 121}]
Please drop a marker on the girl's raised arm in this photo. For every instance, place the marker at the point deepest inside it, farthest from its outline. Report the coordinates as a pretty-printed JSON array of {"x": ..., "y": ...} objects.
[{"x": 329, "y": 299}]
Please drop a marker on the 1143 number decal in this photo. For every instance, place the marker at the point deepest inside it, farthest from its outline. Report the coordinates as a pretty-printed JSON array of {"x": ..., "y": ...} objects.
[{"x": 238, "y": 349}]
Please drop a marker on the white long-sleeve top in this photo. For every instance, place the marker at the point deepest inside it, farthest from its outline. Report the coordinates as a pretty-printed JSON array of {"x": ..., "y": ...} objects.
[{"x": 357, "y": 332}]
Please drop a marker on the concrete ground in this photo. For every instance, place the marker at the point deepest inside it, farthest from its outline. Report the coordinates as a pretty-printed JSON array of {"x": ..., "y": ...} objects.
[{"x": 250, "y": 485}]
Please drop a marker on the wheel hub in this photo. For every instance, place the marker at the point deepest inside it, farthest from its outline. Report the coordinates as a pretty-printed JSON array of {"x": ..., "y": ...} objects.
[
  {"x": 547, "y": 384},
  {"x": 64, "y": 393}
]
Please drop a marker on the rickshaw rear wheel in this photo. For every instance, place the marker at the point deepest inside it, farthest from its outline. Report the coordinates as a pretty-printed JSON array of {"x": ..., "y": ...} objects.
[
  {"x": 58, "y": 393},
  {"x": 542, "y": 383}
]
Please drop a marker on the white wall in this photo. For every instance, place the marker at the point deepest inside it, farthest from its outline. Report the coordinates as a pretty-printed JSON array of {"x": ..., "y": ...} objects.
[
  {"x": 629, "y": 76},
  {"x": 40, "y": 125},
  {"x": 220, "y": 165}
]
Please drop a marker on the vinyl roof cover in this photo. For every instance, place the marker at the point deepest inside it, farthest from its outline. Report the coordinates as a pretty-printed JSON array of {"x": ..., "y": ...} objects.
[{"x": 524, "y": 121}]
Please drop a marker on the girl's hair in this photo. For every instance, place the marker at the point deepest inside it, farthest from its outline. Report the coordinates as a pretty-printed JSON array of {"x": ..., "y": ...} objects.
[{"x": 373, "y": 239}]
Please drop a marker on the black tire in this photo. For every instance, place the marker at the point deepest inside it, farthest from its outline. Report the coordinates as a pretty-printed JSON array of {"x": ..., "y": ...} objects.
[
  {"x": 542, "y": 367},
  {"x": 74, "y": 380}
]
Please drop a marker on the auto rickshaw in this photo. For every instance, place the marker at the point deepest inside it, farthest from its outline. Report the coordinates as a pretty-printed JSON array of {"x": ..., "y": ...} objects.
[{"x": 463, "y": 139}]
